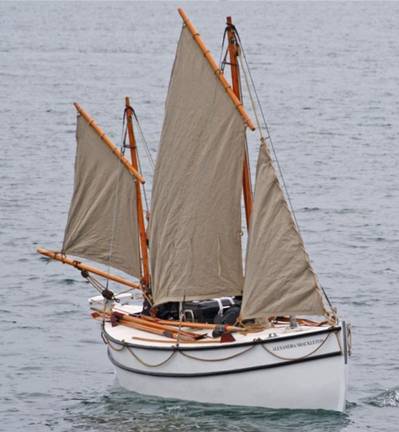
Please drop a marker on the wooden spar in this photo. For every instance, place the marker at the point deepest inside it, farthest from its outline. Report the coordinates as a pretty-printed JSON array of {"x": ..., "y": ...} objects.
[
  {"x": 144, "y": 326},
  {"x": 188, "y": 324},
  {"x": 233, "y": 48},
  {"x": 123, "y": 318},
  {"x": 216, "y": 69},
  {"x": 199, "y": 341},
  {"x": 108, "y": 142},
  {"x": 81, "y": 266},
  {"x": 139, "y": 202}
]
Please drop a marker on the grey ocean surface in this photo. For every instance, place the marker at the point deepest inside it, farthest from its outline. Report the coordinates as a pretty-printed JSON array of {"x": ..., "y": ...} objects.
[{"x": 328, "y": 78}]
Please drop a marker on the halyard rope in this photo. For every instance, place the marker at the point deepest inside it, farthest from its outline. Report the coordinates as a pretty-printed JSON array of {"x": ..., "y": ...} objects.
[{"x": 146, "y": 146}]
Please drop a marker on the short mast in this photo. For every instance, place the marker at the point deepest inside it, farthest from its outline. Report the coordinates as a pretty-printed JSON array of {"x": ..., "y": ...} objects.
[
  {"x": 233, "y": 48},
  {"x": 140, "y": 216}
]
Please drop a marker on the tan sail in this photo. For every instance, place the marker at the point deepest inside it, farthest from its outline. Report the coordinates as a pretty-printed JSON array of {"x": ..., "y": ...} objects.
[
  {"x": 102, "y": 220},
  {"x": 279, "y": 278},
  {"x": 195, "y": 227}
]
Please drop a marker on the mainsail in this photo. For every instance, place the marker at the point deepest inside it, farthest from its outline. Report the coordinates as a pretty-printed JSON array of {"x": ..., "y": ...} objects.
[
  {"x": 102, "y": 219},
  {"x": 195, "y": 227},
  {"x": 279, "y": 278}
]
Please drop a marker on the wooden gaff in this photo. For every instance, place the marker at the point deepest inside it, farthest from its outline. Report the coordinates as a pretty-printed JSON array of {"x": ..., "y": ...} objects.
[
  {"x": 81, "y": 266},
  {"x": 216, "y": 69},
  {"x": 233, "y": 48},
  {"x": 140, "y": 215},
  {"x": 108, "y": 142}
]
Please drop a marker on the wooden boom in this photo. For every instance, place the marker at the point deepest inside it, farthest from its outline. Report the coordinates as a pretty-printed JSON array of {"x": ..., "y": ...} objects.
[
  {"x": 218, "y": 72},
  {"x": 81, "y": 266},
  {"x": 109, "y": 143}
]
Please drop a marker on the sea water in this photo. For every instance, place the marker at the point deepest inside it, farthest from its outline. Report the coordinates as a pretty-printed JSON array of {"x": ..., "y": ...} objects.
[{"x": 328, "y": 77}]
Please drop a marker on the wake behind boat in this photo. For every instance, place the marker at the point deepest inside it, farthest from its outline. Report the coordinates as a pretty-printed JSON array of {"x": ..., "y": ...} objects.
[{"x": 205, "y": 330}]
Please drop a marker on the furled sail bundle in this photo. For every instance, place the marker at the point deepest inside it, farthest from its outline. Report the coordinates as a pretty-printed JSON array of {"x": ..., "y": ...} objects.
[
  {"x": 195, "y": 228},
  {"x": 279, "y": 277},
  {"x": 102, "y": 219}
]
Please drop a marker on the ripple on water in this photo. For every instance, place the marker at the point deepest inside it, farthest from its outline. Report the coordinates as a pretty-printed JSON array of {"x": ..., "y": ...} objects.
[
  {"x": 330, "y": 92},
  {"x": 124, "y": 411},
  {"x": 387, "y": 398}
]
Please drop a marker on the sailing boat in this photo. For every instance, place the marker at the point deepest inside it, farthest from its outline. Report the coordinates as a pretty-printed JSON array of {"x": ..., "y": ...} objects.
[{"x": 204, "y": 331}]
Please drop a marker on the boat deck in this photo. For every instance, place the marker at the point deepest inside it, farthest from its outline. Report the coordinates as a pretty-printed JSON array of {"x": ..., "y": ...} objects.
[{"x": 134, "y": 336}]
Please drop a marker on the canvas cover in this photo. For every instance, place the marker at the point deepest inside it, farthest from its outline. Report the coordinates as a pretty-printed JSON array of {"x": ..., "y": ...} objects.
[
  {"x": 279, "y": 278},
  {"x": 195, "y": 226},
  {"x": 102, "y": 221}
]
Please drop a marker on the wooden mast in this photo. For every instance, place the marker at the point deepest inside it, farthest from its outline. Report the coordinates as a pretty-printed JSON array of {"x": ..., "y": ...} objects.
[
  {"x": 106, "y": 140},
  {"x": 140, "y": 216},
  {"x": 213, "y": 64},
  {"x": 233, "y": 48}
]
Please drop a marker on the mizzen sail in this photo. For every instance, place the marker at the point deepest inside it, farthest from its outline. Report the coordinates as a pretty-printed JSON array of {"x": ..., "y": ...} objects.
[
  {"x": 102, "y": 219},
  {"x": 279, "y": 278},
  {"x": 195, "y": 226}
]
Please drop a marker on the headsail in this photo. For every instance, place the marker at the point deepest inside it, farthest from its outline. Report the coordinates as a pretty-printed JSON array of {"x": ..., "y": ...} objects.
[
  {"x": 195, "y": 227},
  {"x": 102, "y": 219},
  {"x": 279, "y": 278}
]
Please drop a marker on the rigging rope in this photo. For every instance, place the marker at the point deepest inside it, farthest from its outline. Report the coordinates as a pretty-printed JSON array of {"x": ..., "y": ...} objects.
[
  {"x": 256, "y": 342},
  {"x": 146, "y": 146},
  {"x": 147, "y": 152},
  {"x": 250, "y": 84},
  {"x": 223, "y": 63},
  {"x": 147, "y": 207},
  {"x": 116, "y": 201}
]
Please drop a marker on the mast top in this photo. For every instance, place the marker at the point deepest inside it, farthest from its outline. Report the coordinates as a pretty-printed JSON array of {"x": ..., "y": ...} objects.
[
  {"x": 212, "y": 62},
  {"x": 104, "y": 137}
]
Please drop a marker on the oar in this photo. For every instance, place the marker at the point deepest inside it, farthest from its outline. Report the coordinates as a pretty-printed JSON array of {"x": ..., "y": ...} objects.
[
  {"x": 161, "y": 326},
  {"x": 164, "y": 333},
  {"x": 302, "y": 321},
  {"x": 228, "y": 328},
  {"x": 146, "y": 326},
  {"x": 207, "y": 341}
]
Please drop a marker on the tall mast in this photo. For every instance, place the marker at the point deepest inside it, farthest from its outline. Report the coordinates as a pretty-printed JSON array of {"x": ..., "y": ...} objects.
[
  {"x": 233, "y": 48},
  {"x": 140, "y": 216}
]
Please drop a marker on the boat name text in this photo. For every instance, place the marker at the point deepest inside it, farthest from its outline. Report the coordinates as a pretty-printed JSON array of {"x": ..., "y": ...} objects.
[{"x": 297, "y": 344}]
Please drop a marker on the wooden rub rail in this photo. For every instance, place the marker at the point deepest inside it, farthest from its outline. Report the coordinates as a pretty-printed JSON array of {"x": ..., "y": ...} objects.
[
  {"x": 86, "y": 267},
  {"x": 216, "y": 69},
  {"x": 109, "y": 143}
]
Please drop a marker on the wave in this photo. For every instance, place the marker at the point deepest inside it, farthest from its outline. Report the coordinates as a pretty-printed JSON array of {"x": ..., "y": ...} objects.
[{"x": 387, "y": 398}]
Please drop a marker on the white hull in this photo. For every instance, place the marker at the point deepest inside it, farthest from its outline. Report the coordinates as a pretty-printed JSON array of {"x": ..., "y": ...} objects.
[
  {"x": 303, "y": 368},
  {"x": 318, "y": 384}
]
